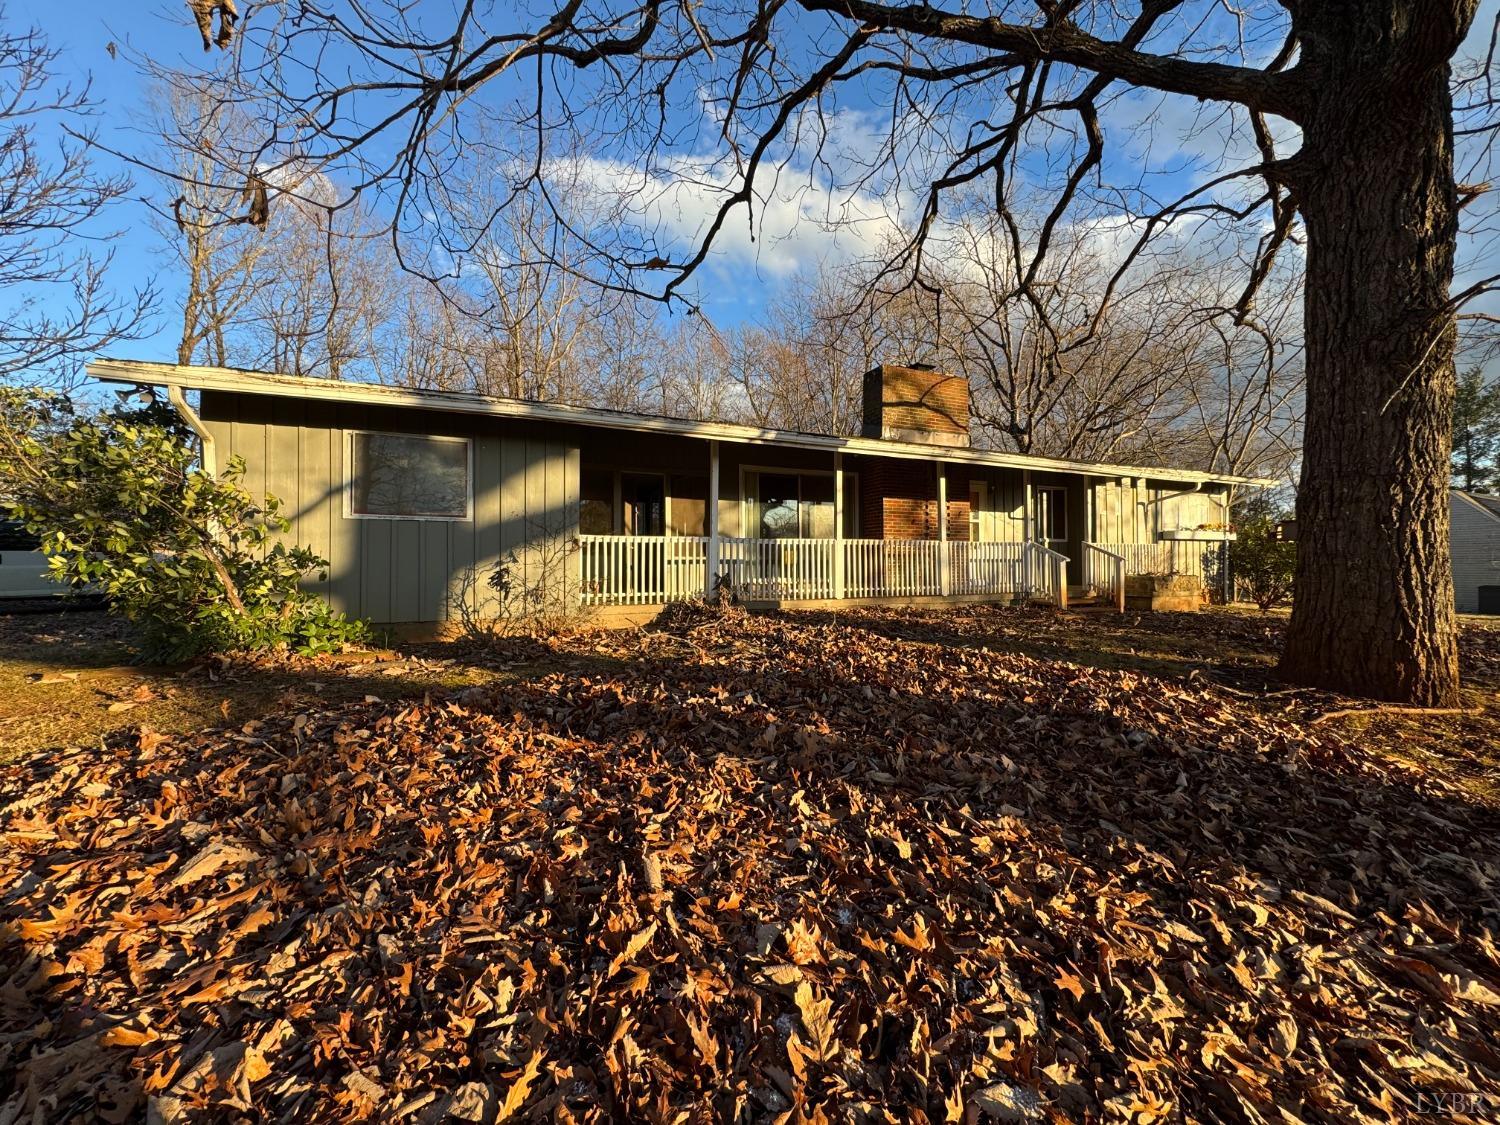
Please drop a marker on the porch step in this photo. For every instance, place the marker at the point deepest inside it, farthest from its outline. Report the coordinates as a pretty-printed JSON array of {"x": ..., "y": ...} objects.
[{"x": 1078, "y": 601}]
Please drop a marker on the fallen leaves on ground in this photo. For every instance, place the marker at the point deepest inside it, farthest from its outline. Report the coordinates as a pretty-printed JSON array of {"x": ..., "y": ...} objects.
[{"x": 750, "y": 868}]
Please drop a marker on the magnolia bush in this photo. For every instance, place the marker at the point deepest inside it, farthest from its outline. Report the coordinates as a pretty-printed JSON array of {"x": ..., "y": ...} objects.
[
  {"x": 1262, "y": 563},
  {"x": 193, "y": 560}
]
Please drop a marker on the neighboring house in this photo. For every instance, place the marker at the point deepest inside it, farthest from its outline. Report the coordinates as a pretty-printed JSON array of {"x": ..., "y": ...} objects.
[
  {"x": 1476, "y": 551},
  {"x": 416, "y": 496}
]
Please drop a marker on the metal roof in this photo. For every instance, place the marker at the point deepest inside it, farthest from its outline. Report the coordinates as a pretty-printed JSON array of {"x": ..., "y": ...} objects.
[{"x": 240, "y": 381}]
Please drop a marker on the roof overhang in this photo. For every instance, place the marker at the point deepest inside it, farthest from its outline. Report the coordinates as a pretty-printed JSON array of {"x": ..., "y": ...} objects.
[{"x": 238, "y": 381}]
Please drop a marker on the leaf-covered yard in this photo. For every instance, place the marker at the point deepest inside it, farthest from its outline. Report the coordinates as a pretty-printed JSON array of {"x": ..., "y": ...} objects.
[{"x": 882, "y": 866}]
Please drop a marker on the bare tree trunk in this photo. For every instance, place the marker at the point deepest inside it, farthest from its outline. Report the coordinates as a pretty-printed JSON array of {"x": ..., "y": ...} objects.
[{"x": 1374, "y": 611}]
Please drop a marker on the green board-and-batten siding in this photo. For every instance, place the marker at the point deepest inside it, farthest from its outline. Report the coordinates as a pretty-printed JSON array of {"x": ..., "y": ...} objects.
[{"x": 525, "y": 503}]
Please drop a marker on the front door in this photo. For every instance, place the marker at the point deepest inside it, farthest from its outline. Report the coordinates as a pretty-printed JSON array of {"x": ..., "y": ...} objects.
[
  {"x": 1052, "y": 517},
  {"x": 1057, "y": 528},
  {"x": 643, "y": 500},
  {"x": 981, "y": 523}
]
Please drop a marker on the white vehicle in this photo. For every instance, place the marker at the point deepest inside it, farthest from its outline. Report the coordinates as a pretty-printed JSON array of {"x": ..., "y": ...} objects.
[{"x": 23, "y": 569}]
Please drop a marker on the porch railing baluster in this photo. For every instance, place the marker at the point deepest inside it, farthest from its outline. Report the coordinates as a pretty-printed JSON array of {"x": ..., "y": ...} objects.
[{"x": 652, "y": 569}]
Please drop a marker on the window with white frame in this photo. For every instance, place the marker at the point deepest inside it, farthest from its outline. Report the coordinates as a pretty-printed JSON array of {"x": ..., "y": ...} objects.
[
  {"x": 409, "y": 476},
  {"x": 1052, "y": 512},
  {"x": 794, "y": 504}
]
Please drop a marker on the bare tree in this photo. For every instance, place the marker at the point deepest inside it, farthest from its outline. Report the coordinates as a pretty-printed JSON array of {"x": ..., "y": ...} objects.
[
  {"x": 822, "y": 334},
  {"x": 57, "y": 306},
  {"x": 1065, "y": 363},
  {"x": 1021, "y": 92},
  {"x": 218, "y": 252},
  {"x": 326, "y": 287},
  {"x": 429, "y": 340},
  {"x": 1245, "y": 396},
  {"x": 1081, "y": 360}
]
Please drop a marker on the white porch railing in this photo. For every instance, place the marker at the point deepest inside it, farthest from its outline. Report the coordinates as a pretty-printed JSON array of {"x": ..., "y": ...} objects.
[
  {"x": 775, "y": 569},
  {"x": 1104, "y": 572},
  {"x": 653, "y": 569},
  {"x": 1046, "y": 573},
  {"x": 892, "y": 568},
  {"x": 1183, "y": 556},
  {"x": 641, "y": 569},
  {"x": 986, "y": 568}
]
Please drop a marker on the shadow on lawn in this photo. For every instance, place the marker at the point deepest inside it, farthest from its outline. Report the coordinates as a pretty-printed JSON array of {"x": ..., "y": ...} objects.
[
  {"x": 1303, "y": 809},
  {"x": 865, "y": 772},
  {"x": 1298, "y": 813}
]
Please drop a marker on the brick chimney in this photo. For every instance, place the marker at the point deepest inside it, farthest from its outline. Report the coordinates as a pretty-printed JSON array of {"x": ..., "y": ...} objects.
[{"x": 916, "y": 403}]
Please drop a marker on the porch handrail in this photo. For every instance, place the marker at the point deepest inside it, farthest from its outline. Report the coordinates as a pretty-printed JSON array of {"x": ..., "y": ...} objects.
[
  {"x": 1104, "y": 569},
  {"x": 1046, "y": 573}
]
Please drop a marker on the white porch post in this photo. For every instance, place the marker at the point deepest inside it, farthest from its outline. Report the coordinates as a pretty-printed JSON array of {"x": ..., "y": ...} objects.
[
  {"x": 1088, "y": 534},
  {"x": 1028, "y": 522},
  {"x": 1027, "y": 533},
  {"x": 712, "y": 567},
  {"x": 838, "y": 525},
  {"x": 945, "y": 584}
]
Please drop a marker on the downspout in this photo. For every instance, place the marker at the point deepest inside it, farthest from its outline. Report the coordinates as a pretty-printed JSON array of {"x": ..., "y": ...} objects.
[
  {"x": 206, "y": 456},
  {"x": 206, "y": 452}
]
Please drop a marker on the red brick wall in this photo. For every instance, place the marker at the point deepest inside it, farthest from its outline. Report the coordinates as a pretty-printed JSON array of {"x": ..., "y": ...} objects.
[
  {"x": 910, "y": 402},
  {"x": 958, "y": 515},
  {"x": 898, "y": 500}
]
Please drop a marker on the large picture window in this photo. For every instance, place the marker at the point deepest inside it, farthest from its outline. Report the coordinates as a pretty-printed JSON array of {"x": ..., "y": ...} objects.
[
  {"x": 788, "y": 505},
  {"x": 596, "y": 502},
  {"x": 409, "y": 476}
]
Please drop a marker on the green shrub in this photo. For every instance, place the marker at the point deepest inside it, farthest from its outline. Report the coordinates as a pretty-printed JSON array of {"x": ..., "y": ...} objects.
[
  {"x": 191, "y": 559},
  {"x": 1263, "y": 563}
]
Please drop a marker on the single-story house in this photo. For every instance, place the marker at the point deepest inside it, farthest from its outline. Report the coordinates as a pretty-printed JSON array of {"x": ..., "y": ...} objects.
[
  {"x": 1476, "y": 551},
  {"x": 415, "y": 496}
]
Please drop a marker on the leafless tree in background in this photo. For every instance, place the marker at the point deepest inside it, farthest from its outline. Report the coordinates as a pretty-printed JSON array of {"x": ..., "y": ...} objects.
[
  {"x": 327, "y": 291},
  {"x": 1245, "y": 400},
  {"x": 519, "y": 271},
  {"x": 56, "y": 307},
  {"x": 218, "y": 254},
  {"x": 1069, "y": 362},
  {"x": 1081, "y": 359},
  {"x": 431, "y": 341}
]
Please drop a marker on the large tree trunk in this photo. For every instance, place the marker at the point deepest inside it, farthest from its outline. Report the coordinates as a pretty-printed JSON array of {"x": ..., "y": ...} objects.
[{"x": 1373, "y": 612}]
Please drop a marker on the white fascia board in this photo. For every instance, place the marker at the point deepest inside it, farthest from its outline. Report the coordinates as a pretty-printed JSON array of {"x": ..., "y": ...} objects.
[{"x": 239, "y": 381}]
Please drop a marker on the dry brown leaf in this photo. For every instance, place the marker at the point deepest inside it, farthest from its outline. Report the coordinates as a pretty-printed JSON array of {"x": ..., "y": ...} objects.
[{"x": 951, "y": 883}]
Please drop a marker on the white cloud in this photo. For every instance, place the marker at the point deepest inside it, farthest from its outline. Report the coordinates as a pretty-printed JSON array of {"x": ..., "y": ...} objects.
[{"x": 796, "y": 217}]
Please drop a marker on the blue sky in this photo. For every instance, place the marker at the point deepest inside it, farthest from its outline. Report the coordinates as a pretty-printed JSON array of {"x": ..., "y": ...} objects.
[{"x": 1180, "y": 143}]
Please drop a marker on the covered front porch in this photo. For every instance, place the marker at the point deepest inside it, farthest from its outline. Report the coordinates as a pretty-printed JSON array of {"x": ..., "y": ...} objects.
[{"x": 778, "y": 525}]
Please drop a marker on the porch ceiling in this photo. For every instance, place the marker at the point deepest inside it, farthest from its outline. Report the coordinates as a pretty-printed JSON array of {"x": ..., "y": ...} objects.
[{"x": 238, "y": 381}]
